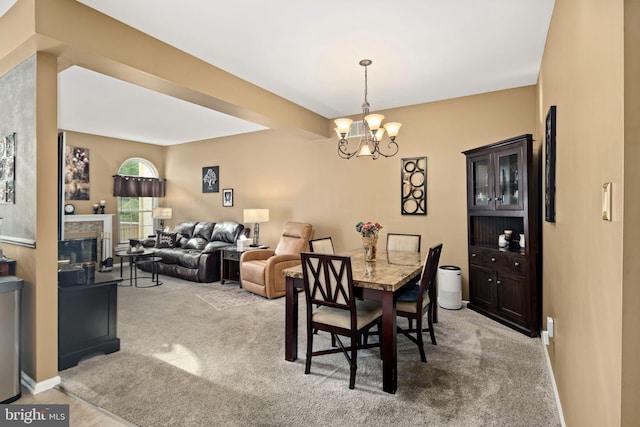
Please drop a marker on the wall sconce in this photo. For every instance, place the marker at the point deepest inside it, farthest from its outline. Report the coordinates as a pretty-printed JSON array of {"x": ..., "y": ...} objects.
[{"x": 256, "y": 216}]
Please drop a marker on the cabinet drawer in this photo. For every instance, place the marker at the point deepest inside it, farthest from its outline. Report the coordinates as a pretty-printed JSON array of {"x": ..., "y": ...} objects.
[
  {"x": 232, "y": 255},
  {"x": 499, "y": 260}
]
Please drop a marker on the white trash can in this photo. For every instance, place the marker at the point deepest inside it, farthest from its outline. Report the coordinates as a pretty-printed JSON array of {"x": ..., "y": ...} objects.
[{"x": 450, "y": 287}]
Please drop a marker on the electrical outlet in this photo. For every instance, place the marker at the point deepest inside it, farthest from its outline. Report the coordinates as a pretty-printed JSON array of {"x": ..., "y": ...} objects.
[{"x": 550, "y": 326}]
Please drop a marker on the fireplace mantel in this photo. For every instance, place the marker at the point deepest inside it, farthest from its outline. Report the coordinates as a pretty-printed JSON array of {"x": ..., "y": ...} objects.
[{"x": 107, "y": 228}]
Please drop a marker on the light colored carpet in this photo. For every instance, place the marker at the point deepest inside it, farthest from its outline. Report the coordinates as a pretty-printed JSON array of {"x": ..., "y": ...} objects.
[{"x": 184, "y": 362}]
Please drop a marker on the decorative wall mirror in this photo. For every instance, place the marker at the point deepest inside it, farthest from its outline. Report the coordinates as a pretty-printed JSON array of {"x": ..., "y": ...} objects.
[{"x": 413, "y": 184}]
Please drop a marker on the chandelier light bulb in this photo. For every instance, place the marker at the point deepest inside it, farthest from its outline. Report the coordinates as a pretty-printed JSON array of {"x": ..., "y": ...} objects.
[
  {"x": 374, "y": 121},
  {"x": 365, "y": 151},
  {"x": 392, "y": 128},
  {"x": 379, "y": 134},
  {"x": 343, "y": 126}
]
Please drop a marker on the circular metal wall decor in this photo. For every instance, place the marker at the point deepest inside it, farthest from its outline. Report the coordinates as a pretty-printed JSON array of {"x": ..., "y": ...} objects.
[{"x": 413, "y": 181}]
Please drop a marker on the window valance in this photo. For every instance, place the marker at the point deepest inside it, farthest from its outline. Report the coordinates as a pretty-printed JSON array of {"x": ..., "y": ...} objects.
[{"x": 134, "y": 186}]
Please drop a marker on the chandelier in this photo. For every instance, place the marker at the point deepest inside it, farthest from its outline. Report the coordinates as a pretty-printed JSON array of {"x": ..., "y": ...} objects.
[{"x": 372, "y": 128}]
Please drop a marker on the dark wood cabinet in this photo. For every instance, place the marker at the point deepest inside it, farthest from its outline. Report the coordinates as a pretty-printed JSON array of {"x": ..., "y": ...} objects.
[
  {"x": 503, "y": 193},
  {"x": 87, "y": 320}
]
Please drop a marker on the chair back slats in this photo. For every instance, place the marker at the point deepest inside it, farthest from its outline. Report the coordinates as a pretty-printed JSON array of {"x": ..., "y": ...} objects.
[
  {"x": 403, "y": 242},
  {"x": 328, "y": 280},
  {"x": 322, "y": 246},
  {"x": 429, "y": 271}
]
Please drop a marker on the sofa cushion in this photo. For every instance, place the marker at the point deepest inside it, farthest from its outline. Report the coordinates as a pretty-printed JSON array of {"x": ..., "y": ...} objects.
[
  {"x": 186, "y": 229},
  {"x": 189, "y": 259},
  {"x": 204, "y": 230},
  {"x": 197, "y": 243},
  {"x": 214, "y": 246},
  {"x": 165, "y": 239},
  {"x": 170, "y": 255},
  {"x": 226, "y": 231}
]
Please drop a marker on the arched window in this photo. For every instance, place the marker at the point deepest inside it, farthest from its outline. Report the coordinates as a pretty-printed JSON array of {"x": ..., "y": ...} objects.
[{"x": 135, "y": 213}]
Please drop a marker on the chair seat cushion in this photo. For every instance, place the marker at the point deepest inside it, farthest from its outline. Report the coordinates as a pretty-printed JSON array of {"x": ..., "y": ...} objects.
[
  {"x": 407, "y": 299},
  {"x": 367, "y": 312}
]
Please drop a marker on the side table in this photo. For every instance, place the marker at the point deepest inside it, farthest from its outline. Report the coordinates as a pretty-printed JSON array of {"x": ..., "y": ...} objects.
[
  {"x": 230, "y": 262},
  {"x": 155, "y": 271}
]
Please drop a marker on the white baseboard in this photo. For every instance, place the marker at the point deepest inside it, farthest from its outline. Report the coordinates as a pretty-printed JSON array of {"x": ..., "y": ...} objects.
[
  {"x": 553, "y": 382},
  {"x": 34, "y": 387}
]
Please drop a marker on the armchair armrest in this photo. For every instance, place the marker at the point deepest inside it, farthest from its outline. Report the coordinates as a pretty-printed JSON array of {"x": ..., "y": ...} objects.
[
  {"x": 277, "y": 259},
  {"x": 275, "y": 278},
  {"x": 257, "y": 255}
]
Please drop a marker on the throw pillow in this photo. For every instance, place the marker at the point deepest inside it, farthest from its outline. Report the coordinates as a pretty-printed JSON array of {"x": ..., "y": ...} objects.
[{"x": 165, "y": 240}]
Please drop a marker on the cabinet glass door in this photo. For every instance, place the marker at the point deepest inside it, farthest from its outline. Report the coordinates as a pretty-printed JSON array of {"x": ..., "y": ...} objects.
[
  {"x": 509, "y": 179},
  {"x": 481, "y": 194}
]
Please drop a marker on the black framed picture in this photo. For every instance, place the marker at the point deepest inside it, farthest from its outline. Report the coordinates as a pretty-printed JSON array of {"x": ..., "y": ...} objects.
[
  {"x": 227, "y": 197},
  {"x": 413, "y": 186},
  {"x": 211, "y": 179},
  {"x": 550, "y": 166}
]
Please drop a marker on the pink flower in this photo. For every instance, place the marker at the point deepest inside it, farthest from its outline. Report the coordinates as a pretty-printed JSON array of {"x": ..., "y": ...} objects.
[{"x": 368, "y": 228}]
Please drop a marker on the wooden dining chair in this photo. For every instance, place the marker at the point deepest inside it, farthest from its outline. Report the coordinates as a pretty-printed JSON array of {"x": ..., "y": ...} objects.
[
  {"x": 415, "y": 302},
  {"x": 322, "y": 246},
  {"x": 332, "y": 307},
  {"x": 403, "y": 242}
]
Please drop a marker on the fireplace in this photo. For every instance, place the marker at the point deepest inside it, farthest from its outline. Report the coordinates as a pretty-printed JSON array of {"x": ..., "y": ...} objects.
[
  {"x": 78, "y": 250},
  {"x": 88, "y": 235}
]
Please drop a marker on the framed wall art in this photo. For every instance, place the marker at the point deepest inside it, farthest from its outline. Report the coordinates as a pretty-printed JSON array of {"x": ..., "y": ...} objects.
[
  {"x": 227, "y": 197},
  {"x": 413, "y": 186},
  {"x": 7, "y": 169},
  {"x": 211, "y": 179},
  {"x": 550, "y": 166},
  {"x": 76, "y": 173}
]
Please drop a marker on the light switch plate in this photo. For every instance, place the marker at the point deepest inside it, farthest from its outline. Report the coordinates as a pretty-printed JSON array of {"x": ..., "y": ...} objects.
[{"x": 606, "y": 201}]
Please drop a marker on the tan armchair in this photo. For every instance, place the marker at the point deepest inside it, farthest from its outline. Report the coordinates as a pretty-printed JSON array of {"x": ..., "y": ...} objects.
[{"x": 261, "y": 269}]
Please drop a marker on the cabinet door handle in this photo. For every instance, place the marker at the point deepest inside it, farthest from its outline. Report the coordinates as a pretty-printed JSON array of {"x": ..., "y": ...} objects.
[
  {"x": 473, "y": 255},
  {"x": 516, "y": 264},
  {"x": 489, "y": 280},
  {"x": 493, "y": 259},
  {"x": 498, "y": 282}
]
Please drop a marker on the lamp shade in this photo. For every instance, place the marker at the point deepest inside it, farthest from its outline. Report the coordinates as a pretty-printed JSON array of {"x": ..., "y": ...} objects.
[
  {"x": 162, "y": 213},
  {"x": 256, "y": 215},
  {"x": 343, "y": 126}
]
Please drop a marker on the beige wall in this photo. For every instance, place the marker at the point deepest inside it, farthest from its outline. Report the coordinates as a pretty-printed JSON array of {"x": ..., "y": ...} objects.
[
  {"x": 582, "y": 73},
  {"x": 307, "y": 181}
]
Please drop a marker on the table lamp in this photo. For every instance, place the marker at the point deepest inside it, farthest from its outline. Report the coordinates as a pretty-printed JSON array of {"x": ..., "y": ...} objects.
[
  {"x": 256, "y": 216},
  {"x": 162, "y": 214}
]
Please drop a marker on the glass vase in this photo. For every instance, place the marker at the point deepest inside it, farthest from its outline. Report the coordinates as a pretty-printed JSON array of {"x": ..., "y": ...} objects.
[{"x": 369, "y": 244}]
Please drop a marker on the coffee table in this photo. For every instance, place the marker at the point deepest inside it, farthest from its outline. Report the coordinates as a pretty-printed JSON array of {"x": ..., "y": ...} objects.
[{"x": 133, "y": 259}]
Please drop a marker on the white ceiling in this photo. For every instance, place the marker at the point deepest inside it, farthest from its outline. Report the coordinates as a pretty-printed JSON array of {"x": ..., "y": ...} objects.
[{"x": 308, "y": 53}]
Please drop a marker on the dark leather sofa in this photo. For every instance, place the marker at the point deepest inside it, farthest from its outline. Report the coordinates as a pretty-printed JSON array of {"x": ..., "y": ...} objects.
[{"x": 191, "y": 250}]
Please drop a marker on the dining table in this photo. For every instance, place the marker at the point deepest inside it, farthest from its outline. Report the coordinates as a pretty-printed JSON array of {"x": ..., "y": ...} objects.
[{"x": 380, "y": 280}]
